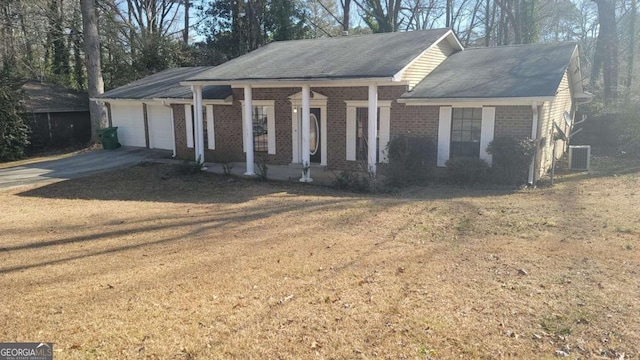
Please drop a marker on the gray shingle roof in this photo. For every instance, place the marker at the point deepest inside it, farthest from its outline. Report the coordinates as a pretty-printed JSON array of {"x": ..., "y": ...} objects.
[
  {"x": 166, "y": 85},
  {"x": 363, "y": 56},
  {"x": 500, "y": 72},
  {"x": 44, "y": 98}
]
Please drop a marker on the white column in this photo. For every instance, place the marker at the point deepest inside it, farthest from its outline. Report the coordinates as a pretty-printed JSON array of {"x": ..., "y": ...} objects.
[
  {"x": 372, "y": 127},
  {"x": 248, "y": 129},
  {"x": 306, "y": 118},
  {"x": 197, "y": 120}
]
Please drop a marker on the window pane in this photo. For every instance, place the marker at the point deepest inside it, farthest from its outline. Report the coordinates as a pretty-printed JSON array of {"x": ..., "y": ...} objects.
[
  {"x": 456, "y": 124},
  {"x": 477, "y": 114},
  {"x": 362, "y": 122},
  {"x": 457, "y": 113},
  {"x": 467, "y": 113}
]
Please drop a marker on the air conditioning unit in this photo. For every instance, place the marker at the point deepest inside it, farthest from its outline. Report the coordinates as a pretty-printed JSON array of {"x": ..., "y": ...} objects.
[{"x": 579, "y": 157}]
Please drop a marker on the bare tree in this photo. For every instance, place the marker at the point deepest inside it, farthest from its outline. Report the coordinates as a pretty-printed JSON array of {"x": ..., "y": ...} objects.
[
  {"x": 94, "y": 69},
  {"x": 606, "y": 52}
]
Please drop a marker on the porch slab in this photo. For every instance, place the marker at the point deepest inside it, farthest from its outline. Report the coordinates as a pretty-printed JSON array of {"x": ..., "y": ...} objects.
[{"x": 292, "y": 173}]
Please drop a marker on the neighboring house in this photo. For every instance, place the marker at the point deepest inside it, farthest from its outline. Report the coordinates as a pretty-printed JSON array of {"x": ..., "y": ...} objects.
[
  {"x": 143, "y": 111},
  {"x": 57, "y": 116},
  {"x": 344, "y": 98}
]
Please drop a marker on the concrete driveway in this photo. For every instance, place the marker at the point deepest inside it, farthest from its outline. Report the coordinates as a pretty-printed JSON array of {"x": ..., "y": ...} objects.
[{"x": 76, "y": 166}]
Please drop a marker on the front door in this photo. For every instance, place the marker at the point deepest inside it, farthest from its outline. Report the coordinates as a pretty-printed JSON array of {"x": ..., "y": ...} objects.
[{"x": 315, "y": 150}]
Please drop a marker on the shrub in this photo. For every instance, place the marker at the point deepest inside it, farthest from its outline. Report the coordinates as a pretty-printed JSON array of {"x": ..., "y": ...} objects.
[
  {"x": 262, "y": 169},
  {"x": 14, "y": 132},
  {"x": 511, "y": 159},
  {"x": 352, "y": 181},
  {"x": 189, "y": 167},
  {"x": 409, "y": 159},
  {"x": 627, "y": 128},
  {"x": 466, "y": 170}
]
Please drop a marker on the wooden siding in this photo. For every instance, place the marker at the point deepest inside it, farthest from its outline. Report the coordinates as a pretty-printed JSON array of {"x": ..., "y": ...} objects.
[
  {"x": 550, "y": 112},
  {"x": 428, "y": 61}
]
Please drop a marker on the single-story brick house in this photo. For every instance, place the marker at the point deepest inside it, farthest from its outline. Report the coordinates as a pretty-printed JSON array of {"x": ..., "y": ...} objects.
[{"x": 344, "y": 98}]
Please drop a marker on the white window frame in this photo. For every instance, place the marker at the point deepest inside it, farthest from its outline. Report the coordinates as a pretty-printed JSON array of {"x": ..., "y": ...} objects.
[
  {"x": 384, "y": 106},
  {"x": 188, "y": 120},
  {"x": 487, "y": 131},
  {"x": 271, "y": 124},
  {"x": 211, "y": 132}
]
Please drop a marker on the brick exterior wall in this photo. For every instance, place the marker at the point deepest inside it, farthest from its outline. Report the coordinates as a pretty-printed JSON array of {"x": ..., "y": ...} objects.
[
  {"x": 411, "y": 120},
  {"x": 180, "y": 131},
  {"x": 515, "y": 121}
]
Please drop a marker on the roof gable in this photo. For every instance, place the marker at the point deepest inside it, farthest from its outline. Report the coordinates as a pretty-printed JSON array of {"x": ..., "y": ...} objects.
[
  {"x": 533, "y": 70},
  {"x": 349, "y": 57}
]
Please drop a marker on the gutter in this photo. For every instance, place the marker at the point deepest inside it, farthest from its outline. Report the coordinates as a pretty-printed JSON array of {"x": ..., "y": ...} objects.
[
  {"x": 534, "y": 135},
  {"x": 583, "y": 98},
  {"x": 293, "y": 82},
  {"x": 487, "y": 100}
]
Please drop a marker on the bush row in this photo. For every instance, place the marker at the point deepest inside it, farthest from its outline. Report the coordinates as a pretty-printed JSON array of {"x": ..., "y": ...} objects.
[{"x": 412, "y": 160}]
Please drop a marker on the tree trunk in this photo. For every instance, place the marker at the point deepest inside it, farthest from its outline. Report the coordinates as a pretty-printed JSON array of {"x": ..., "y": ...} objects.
[
  {"x": 346, "y": 13},
  {"x": 94, "y": 70},
  {"x": 185, "y": 34},
  {"x": 632, "y": 46},
  {"x": 607, "y": 45}
]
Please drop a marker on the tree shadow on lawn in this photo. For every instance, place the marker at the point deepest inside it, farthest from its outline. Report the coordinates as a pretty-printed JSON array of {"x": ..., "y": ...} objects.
[
  {"x": 196, "y": 227},
  {"x": 163, "y": 183}
]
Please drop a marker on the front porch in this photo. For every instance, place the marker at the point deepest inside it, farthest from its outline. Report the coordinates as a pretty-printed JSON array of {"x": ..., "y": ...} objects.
[{"x": 292, "y": 173}]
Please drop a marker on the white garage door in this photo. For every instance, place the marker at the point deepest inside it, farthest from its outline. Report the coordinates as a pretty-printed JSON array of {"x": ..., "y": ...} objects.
[
  {"x": 129, "y": 119},
  {"x": 160, "y": 129}
]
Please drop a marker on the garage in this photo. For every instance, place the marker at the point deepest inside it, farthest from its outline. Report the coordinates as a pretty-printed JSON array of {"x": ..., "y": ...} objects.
[
  {"x": 154, "y": 127},
  {"x": 129, "y": 119},
  {"x": 160, "y": 126}
]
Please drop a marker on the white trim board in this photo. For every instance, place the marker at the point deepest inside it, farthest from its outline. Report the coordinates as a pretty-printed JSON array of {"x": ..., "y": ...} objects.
[
  {"x": 365, "y": 103},
  {"x": 476, "y": 102},
  {"x": 297, "y": 83}
]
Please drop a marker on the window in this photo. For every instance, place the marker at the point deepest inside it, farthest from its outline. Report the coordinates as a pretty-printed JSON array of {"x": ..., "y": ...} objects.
[
  {"x": 205, "y": 129},
  {"x": 362, "y": 134},
  {"x": 466, "y": 124},
  {"x": 260, "y": 129},
  {"x": 263, "y": 127}
]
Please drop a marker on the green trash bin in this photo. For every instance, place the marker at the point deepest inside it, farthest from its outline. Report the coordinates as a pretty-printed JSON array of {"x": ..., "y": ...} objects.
[{"x": 109, "y": 138}]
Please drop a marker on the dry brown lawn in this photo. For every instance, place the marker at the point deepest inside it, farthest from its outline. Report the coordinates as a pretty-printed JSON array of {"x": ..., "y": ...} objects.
[{"x": 144, "y": 263}]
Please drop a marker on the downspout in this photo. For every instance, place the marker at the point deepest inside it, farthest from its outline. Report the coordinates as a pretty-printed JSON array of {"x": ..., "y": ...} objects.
[
  {"x": 173, "y": 129},
  {"x": 534, "y": 136}
]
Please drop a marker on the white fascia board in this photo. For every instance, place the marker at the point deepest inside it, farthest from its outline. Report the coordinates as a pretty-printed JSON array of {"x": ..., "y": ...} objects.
[
  {"x": 260, "y": 102},
  {"x": 475, "y": 101},
  {"x": 227, "y": 101},
  {"x": 399, "y": 74},
  {"x": 575, "y": 73},
  {"x": 114, "y": 101},
  {"x": 271, "y": 83},
  {"x": 365, "y": 103}
]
